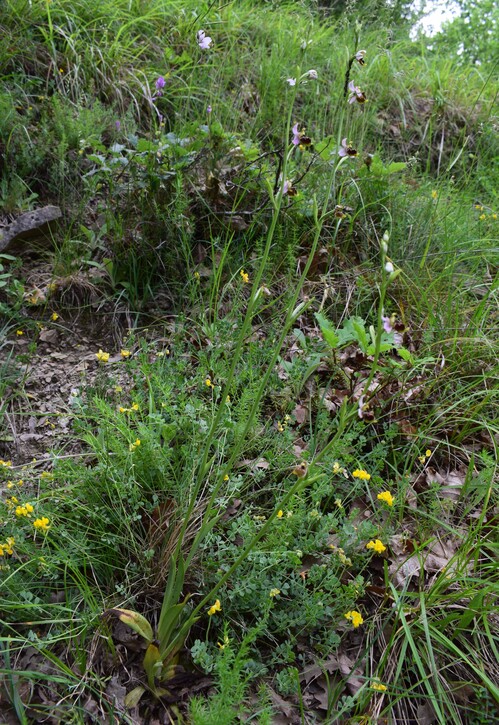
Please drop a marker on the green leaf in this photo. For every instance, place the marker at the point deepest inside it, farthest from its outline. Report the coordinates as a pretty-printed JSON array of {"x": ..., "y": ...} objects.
[
  {"x": 360, "y": 333},
  {"x": 135, "y": 621},
  {"x": 328, "y": 331},
  {"x": 405, "y": 355},
  {"x": 395, "y": 167},
  {"x": 325, "y": 148},
  {"x": 152, "y": 664},
  {"x": 144, "y": 145},
  {"x": 133, "y": 697}
]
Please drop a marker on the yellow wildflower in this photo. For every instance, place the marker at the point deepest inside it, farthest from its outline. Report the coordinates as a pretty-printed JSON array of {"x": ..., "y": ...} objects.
[
  {"x": 19, "y": 333},
  {"x": 274, "y": 592},
  {"x": 135, "y": 406},
  {"x": 225, "y": 643},
  {"x": 41, "y": 524},
  {"x": 135, "y": 445},
  {"x": 121, "y": 409},
  {"x": 354, "y": 617},
  {"x": 280, "y": 426},
  {"x": 197, "y": 276},
  {"x": 54, "y": 317},
  {"x": 378, "y": 686},
  {"x": 208, "y": 383},
  {"x": 360, "y": 473},
  {"x": 376, "y": 546},
  {"x": 434, "y": 194},
  {"x": 10, "y": 484},
  {"x": 482, "y": 217},
  {"x": 46, "y": 475},
  {"x": 244, "y": 276},
  {"x": 217, "y": 607},
  {"x": 387, "y": 497},
  {"x": 102, "y": 357},
  {"x": 428, "y": 453},
  {"x": 125, "y": 354},
  {"x": 226, "y": 477},
  {"x": 8, "y": 464},
  {"x": 280, "y": 514},
  {"x": 338, "y": 503},
  {"x": 227, "y": 399}
]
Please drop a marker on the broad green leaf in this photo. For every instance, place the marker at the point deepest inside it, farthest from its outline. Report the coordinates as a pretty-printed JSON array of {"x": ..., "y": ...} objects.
[
  {"x": 405, "y": 355},
  {"x": 328, "y": 331},
  {"x": 135, "y": 621},
  {"x": 144, "y": 145},
  {"x": 360, "y": 333},
  {"x": 152, "y": 663},
  {"x": 395, "y": 167},
  {"x": 133, "y": 697}
]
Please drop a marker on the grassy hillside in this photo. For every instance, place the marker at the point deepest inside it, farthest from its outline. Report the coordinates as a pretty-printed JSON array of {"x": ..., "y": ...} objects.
[{"x": 249, "y": 376}]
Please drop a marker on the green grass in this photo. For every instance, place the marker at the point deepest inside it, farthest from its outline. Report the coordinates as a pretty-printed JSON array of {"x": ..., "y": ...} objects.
[{"x": 176, "y": 488}]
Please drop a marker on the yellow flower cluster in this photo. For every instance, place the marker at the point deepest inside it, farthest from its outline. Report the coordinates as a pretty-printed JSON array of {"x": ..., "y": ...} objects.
[
  {"x": 377, "y": 546},
  {"x": 102, "y": 357},
  {"x": 41, "y": 524},
  {"x": 134, "y": 445},
  {"x": 378, "y": 686},
  {"x": 426, "y": 455},
  {"x": 363, "y": 475},
  {"x": 354, "y": 617},
  {"x": 217, "y": 607},
  {"x": 25, "y": 510},
  {"x": 7, "y": 464},
  {"x": 387, "y": 497},
  {"x": 7, "y": 547},
  {"x": 125, "y": 354},
  {"x": 134, "y": 408},
  {"x": 244, "y": 276}
]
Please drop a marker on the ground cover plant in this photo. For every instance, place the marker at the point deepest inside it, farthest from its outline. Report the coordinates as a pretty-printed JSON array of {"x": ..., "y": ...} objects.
[{"x": 249, "y": 380}]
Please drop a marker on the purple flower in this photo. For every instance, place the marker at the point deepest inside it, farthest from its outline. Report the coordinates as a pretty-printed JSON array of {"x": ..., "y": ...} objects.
[
  {"x": 288, "y": 189},
  {"x": 208, "y": 110},
  {"x": 117, "y": 125},
  {"x": 312, "y": 74},
  {"x": 291, "y": 81},
  {"x": 296, "y": 135},
  {"x": 346, "y": 149},
  {"x": 160, "y": 83},
  {"x": 299, "y": 138},
  {"x": 204, "y": 41},
  {"x": 387, "y": 323},
  {"x": 355, "y": 94},
  {"x": 359, "y": 57}
]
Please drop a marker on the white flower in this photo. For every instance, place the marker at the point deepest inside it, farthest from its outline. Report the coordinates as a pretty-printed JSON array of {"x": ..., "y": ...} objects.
[
  {"x": 313, "y": 74},
  {"x": 291, "y": 81},
  {"x": 389, "y": 267},
  {"x": 204, "y": 41}
]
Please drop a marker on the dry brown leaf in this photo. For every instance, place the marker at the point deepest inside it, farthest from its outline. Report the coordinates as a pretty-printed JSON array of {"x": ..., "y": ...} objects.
[
  {"x": 451, "y": 482},
  {"x": 300, "y": 413}
]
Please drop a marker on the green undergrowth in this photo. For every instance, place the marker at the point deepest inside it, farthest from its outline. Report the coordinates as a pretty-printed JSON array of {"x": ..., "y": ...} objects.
[{"x": 284, "y": 473}]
